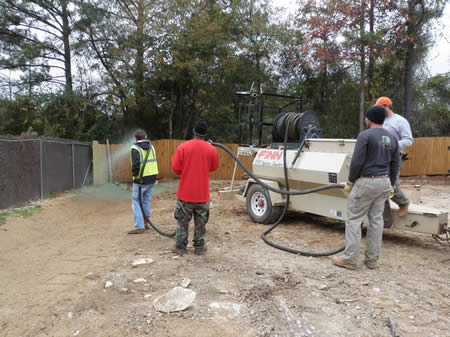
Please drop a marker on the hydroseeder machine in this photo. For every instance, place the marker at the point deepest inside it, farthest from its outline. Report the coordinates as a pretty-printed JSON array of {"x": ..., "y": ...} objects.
[{"x": 301, "y": 171}]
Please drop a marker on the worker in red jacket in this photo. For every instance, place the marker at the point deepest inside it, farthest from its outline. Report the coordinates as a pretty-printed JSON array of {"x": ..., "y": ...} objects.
[{"x": 193, "y": 160}]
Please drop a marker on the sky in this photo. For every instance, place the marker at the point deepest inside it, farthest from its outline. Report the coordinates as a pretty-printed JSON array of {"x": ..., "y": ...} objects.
[{"x": 438, "y": 60}]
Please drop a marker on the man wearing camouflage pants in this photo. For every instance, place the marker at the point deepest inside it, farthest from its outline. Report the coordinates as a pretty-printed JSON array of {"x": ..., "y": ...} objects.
[
  {"x": 193, "y": 160},
  {"x": 373, "y": 170}
]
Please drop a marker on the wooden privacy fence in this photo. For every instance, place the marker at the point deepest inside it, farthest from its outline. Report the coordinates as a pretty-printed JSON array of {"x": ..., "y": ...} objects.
[
  {"x": 428, "y": 156},
  {"x": 165, "y": 148}
]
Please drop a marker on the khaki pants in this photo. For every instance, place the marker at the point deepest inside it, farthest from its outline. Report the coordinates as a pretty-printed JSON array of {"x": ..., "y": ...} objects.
[{"x": 366, "y": 198}]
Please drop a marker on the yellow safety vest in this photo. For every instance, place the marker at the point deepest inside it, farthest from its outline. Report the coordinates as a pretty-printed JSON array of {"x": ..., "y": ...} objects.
[{"x": 151, "y": 167}]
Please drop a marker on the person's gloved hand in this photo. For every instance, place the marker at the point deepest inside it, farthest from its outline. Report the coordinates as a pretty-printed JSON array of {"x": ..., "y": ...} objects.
[
  {"x": 348, "y": 187},
  {"x": 391, "y": 193},
  {"x": 138, "y": 181}
]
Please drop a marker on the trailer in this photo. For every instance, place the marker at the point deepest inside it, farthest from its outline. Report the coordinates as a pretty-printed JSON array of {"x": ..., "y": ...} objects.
[{"x": 313, "y": 162}]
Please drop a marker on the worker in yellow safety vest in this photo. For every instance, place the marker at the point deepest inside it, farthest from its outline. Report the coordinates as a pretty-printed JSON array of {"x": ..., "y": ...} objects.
[{"x": 138, "y": 152}]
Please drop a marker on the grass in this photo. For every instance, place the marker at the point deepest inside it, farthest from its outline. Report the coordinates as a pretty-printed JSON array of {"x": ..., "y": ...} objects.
[{"x": 23, "y": 212}]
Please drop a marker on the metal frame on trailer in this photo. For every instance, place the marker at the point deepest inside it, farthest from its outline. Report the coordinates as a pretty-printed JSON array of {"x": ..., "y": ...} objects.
[{"x": 252, "y": 95}]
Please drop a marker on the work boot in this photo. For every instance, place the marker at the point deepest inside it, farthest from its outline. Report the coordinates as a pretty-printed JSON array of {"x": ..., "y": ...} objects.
[
  {"x": 147, "y": 226},
  {"x": 137, "y": 231},
  {"x": 200, "y": 250},
  {"x": 403, "y": 210},
  {"x": 340, "y": 262},
  {"x": 179, "y": 250},
  {"x": 371, "y": 264}
]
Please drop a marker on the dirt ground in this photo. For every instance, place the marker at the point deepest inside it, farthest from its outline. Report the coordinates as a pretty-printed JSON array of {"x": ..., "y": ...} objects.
[{"x": 55, "y": 264}]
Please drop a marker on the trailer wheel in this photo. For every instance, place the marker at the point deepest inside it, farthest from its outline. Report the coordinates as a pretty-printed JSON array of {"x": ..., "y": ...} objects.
[{"x": 259, "y": 205}]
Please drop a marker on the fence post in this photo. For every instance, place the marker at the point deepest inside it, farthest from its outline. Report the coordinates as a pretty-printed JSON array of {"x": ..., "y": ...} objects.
[
  {"x": 73, "y": 165},
  {"x": 41, "y": 164},
  {"x": 108, "y": 153}
]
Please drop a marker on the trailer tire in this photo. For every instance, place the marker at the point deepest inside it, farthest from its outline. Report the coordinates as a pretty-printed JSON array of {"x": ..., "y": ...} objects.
[{"x": 259, "y": 205}]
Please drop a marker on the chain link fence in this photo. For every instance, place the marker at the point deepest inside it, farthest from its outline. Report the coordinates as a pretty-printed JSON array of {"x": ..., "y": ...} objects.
[{"x": 34, "y": 168}]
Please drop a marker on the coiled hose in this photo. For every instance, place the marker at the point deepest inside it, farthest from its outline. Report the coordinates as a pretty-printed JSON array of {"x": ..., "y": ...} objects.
[{"x": 288, "y": 193}]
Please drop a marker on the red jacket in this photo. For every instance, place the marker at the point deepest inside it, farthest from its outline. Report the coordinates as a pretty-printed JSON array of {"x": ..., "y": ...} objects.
[{"x": 194, "y": 160}]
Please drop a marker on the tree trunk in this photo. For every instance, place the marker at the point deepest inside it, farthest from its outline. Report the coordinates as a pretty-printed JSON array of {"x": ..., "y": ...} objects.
[
  {"x": 409, "y": 70},
  {"x": 410, "y": 55},
  {"x": 258, "y": 70},
  {"x": 66, "y": 41},
  {"x": 140, "y": 67},
  {"x": 172, "y": 111},
  {"x": 361, "y": 94},
  {"x": 188, "y": 125},
  {"x": 362, "y": 63},
  {"x": 323, "y": 84},
  {"x": 30, "y": 84},
  {"x": 181, "y": 113},
  {"x": 323, "y": 78},
  {"x": 371, "y": 52}
]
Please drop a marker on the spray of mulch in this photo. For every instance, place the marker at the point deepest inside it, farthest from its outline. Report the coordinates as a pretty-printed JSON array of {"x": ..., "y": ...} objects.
[{"x": 118, "y": 191}]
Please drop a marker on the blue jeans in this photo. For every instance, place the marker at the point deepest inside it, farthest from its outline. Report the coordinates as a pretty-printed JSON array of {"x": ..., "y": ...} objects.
[{"x": 146, "y": 197}]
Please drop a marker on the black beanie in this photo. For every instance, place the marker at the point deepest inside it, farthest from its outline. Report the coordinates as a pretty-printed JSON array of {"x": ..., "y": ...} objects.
[
  {"x": 376, "y": 114},
  {"x": 200, "y": 127}
]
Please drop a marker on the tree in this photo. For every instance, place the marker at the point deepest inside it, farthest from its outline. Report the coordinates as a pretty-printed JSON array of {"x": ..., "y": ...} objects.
[
  {"x": 320, "y": 23},
  {"x": 419, "y": 13},
  {"x": 213, "y": 50},
  {"x": 17, "y": 117},
  {"x": 123, "y": 36},
  {"x": 432, "y": 115},
  {"x": 35, "y": 38}
]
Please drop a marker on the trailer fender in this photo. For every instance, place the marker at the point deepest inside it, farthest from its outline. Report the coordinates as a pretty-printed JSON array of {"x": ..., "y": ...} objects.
[{"x": 276, "y": 198}]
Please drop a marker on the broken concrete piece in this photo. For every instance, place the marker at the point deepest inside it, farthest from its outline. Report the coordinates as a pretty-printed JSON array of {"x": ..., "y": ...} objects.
[
  {"x": 138, "y": 262},
  {"x": 233, "y": 309},
  {"x": 140, "y": 280},
  {"x": 186, "y": 282},
  {"x": 108, "y": 284},
  {"x": 177, "y": 299}
]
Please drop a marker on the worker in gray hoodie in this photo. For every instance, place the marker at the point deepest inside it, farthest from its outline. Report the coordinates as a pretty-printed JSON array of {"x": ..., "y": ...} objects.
[{"x": 400, "y": 128}]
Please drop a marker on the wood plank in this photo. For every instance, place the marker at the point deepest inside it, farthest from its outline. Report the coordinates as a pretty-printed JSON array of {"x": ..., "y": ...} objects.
[
  {"x": 439, "y": 161},
  {"x": 99, "y": 163},
  {"x": 448, "y": 155},
  {"x": 417, "y": 158}
]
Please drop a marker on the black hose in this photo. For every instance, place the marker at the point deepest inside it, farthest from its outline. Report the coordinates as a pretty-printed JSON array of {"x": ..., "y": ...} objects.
[
  {"x": 140, "y": 200},
  {"x": 286, "y": 249},
  {"x": 288, "y": 193}
]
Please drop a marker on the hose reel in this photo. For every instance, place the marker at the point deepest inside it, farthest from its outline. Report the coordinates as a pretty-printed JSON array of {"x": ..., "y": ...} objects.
[{"x": 297, "y": 125}]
